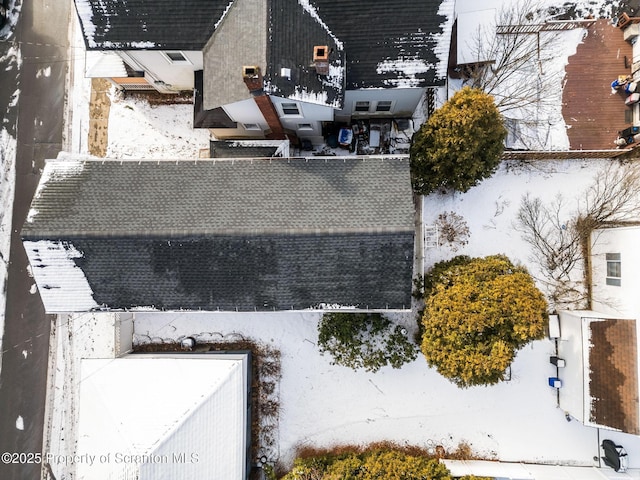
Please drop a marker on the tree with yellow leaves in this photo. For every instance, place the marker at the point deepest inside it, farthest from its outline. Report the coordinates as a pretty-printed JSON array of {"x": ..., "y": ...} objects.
[{"x": 478, "y": 313}]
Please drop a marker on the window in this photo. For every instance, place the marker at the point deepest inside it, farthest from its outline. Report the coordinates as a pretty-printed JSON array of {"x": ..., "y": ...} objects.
[
  {"x": 176, "y": 57},
  {"x": 305, "y": 126},
  {"x": 251, "y": 126},
  {"x": 383, "y": 106},
  {"x": 361, "y": 106},
  {"x": 290, "y": 109},
  {"x": 614, "y": 270}
]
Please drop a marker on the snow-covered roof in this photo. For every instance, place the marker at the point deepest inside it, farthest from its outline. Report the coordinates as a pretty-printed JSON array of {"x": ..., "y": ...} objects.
[
  {"x": 521, "y": 471},
  {"x": 104, "y": 64},
  {"x": 163, "y": 416},
  {"x": 393, "y": 44},
  {"x": 140, "y": 24}
]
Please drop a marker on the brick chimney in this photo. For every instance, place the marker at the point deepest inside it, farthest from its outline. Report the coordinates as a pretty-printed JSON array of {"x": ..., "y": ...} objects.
[
  {"x": 253, "y": 79},
  {"x": 321, "y": 59}
]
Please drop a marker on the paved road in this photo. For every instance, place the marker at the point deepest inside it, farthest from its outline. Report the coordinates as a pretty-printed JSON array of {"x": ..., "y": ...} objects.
[{"x": 42, "y": 36}]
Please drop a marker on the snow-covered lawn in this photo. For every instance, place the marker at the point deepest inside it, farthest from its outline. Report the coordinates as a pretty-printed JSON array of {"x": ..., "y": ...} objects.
[{"x": 163, "y": 131}]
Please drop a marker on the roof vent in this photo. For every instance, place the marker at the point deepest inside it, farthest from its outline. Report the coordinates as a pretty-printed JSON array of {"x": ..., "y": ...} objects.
[{"x": 321, "y": 59}]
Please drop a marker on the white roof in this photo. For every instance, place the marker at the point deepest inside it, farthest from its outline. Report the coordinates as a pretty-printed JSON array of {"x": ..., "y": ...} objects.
[
  {"x": 104, "y": 64},
  {"x": 473, "y": 26},
  {"x": 162, "y": 416},
  {"x": 522, "y": 471}
]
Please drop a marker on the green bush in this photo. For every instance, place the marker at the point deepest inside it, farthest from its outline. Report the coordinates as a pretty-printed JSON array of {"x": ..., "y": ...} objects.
[
  {"x": 459, "y": 145},
  {"x": 364, "y": 340}
]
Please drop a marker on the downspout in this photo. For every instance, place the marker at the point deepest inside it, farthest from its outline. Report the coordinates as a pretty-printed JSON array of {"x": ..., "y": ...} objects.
[{"x": 253, "y": 80}]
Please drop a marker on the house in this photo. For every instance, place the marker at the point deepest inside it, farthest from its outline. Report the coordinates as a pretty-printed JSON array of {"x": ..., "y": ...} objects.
[
  {"x": 223, "y": 234},
  {"x": 274, "y": 69},
  {"x": 197, "y": 430},
  {"x": 600, "y": 384}
]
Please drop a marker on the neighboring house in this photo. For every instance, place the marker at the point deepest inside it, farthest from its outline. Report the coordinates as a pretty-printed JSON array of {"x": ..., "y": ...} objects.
[
  {"x": 229, "y": 234},
  {"x": 150, "y": 416},
  {"x": 276, "y": 68},
  {"x": 600, "y": 385}
]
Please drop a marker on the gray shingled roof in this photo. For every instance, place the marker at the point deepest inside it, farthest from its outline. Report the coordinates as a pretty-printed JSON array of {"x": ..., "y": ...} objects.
[
  {"x": 225, "y": 234},
  {"x": 243, "y": 196}
]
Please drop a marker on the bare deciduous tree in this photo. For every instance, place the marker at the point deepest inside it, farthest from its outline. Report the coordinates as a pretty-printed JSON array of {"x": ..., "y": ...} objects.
[
  {"x": 554, "y": 237},
  {"x": 517, "y": 69},
  {"x": 614, "y": 196},
  {"x": 560, "y": 238}
]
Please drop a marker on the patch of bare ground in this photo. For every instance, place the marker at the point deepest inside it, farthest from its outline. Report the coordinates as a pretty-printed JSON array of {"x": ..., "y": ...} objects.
[
  {"x": 99, "y": 106},
  {"x": 153, "y": 97}
]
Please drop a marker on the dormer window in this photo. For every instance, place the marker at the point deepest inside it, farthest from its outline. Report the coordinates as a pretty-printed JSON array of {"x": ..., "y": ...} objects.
[
  {"x": 362, "y": 106},
  {"x": 384, "y": 106},
  {"x": 175, "y": 57},
  {"x": 290, "y": 109}
]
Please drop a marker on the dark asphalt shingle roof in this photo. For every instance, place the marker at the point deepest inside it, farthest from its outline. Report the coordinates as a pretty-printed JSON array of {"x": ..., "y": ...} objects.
[
  {"x": 294, "y": 32},
  {"x": 240, "y": 149},
  {"x": 249, "y": 273},
  {"x": 241, "y": 234},
  {"x": 378, "y": 34},
  {"x": 157, "y": 24}
]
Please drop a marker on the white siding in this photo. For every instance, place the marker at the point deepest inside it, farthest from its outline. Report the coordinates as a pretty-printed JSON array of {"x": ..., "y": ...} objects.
[
  {"x": 310, "y": 118},
  {"x": 570, "y": 348},
  {"x": 176, "y": 75},
  {"x": 622, "y": 300},
  {"x": 245, "y": 113},
  {"x": 404, "y": 102}
]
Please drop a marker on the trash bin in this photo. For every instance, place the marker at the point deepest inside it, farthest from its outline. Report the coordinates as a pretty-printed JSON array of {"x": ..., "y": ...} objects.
[
  {"x": 555, "y": 382},
  {"x": 557, "y": 361}
]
